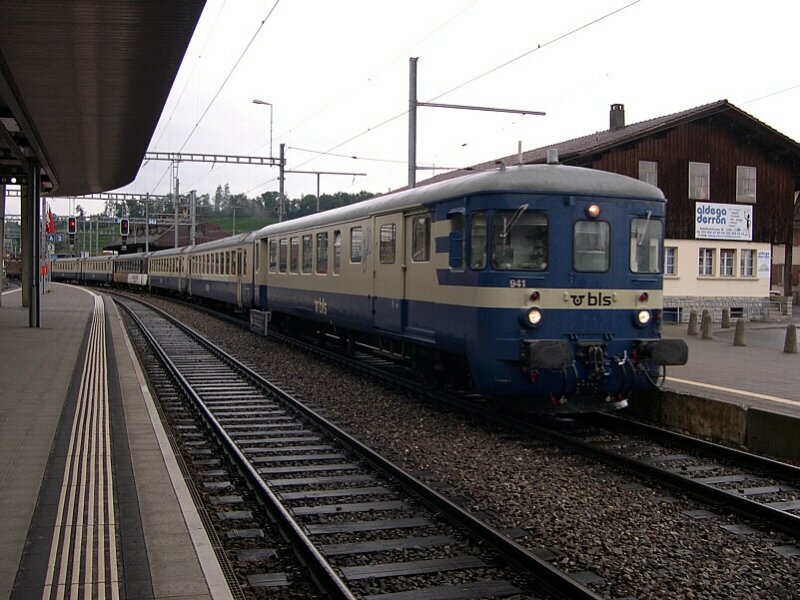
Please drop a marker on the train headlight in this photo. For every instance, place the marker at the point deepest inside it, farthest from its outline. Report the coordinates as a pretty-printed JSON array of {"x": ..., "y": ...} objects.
[
  {"x": 642, "y": 318},
  {"x": 593, "y": 211},
  {"x": 533, "y": 317}
]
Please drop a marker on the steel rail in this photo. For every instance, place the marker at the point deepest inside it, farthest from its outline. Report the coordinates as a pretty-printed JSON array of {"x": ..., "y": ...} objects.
[
  {"x": 321, "y": 571},
  {"x": 554, "y": 581}
]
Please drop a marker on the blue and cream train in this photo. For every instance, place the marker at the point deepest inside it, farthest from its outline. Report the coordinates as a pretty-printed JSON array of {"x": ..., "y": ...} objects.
[{"x": 536, "y": 285}]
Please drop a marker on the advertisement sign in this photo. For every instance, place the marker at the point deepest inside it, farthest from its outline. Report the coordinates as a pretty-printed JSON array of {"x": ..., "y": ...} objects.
[
  {"x": 764, "y": 262},
  {"x": 723, "y": 222}
]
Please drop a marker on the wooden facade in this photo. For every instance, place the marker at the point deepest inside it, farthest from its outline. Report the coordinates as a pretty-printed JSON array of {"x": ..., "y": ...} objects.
[{"x": 724, "y": 146}]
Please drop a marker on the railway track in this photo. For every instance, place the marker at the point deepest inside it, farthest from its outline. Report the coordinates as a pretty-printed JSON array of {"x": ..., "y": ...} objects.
[
  {"x": 363, "y": 527},
  {"x": 751, "y": 486}
]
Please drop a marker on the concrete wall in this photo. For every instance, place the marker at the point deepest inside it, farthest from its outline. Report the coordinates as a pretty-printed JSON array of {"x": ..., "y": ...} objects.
[{"x": 763, "y": 432}]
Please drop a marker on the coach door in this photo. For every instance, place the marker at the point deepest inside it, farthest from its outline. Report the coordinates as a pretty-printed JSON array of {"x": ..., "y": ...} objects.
[{"x": 388, "y": 273}]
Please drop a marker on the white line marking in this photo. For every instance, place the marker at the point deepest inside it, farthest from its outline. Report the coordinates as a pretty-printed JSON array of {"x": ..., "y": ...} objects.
[{"x": 734, "y": 391}]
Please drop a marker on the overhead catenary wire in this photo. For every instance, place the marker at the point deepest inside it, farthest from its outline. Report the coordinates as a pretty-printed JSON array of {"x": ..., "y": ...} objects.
[{"x": 465, "y": 83}]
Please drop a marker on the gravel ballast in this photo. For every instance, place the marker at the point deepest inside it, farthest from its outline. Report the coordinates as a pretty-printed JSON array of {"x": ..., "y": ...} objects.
[{"x": 638, "y": 539}]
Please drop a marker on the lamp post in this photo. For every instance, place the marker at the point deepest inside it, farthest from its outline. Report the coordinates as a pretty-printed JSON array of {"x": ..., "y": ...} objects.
[{"x": 264, "y": 102}]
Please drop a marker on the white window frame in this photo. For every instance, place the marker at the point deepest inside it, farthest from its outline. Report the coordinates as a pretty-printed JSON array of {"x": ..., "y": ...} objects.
[
  {"x": 727, "y": 262},
  {"x": 705, "y": 262},
  {"x": 648, "y": 172},
  {"x": 699, "y": 181},
  {"x": 747, "y": 268},
  {"x": 670, "y": 261},
  {"x": 746, "y": 184}
]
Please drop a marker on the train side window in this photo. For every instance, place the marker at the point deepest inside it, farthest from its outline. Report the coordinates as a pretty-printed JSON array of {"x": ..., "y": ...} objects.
[
  {"x": 519, "y": 240},
  {"x": 294, "y": 254},
  {"x": 273, "y": 256},
  {"x": 420, "y": 239},
  {"x": 646, "y": 245},
  {"x": 356, "y": 237},
  {"x": 337, "y": 252},
  {"x": 322, "y": 253},
  {"x": 283, "y": 255},
  {"x": 591, "y": 243},
  {"x": 307, "y": 253},
  {"x": 477, "y": 252},
  {"x": 388, "y": 243}
]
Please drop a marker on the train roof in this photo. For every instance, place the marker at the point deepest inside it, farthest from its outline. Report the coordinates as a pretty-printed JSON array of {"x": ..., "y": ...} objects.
[
  {"x": 231, "y": 240},
  {"x": 536, "y": 179}
]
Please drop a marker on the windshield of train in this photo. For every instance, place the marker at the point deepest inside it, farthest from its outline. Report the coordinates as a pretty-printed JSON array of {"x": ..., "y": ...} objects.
[
  {"x": 519, "y": 240},
  {"x": 645, "y": 245}
]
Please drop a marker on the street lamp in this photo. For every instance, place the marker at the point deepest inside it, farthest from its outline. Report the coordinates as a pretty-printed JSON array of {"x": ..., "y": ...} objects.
[{"x": 257, "y": 101}]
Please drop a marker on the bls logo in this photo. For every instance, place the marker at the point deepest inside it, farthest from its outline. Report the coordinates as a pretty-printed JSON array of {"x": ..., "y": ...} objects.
[
  {"x": 592, "y": 299},
  {"x": 321, "y": 306}
]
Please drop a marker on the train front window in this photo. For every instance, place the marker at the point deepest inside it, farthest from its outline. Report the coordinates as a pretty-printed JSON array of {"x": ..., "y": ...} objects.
[
  {"x": 646, "y": 245},
  {"x": 519, "y": 240},
  {"x": 591, "y": 242}
]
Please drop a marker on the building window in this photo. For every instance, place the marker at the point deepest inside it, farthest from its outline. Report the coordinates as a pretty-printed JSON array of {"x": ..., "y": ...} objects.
[
  {"x": 388, "y": 236},
  {"x": 699, "y": 185},
  {"x": 747, "y": 260},
  {"x": 746, "y": 184},
  {"x": 670, "y": 261},
  {"x": 705, "y": 265},
  {"x": 727, "y": 260},
  {"x": 420, "y": 239},
  {"x": 355, "y": 245},
  {"x": 648, "y": 172}
]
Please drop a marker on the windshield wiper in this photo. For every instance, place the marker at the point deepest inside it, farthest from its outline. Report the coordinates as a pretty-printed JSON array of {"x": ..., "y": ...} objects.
[{"x": 513, "y": 220}]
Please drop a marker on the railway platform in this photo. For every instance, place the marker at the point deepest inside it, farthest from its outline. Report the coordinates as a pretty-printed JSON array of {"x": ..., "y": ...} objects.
[{"x": 92, "y": 501}]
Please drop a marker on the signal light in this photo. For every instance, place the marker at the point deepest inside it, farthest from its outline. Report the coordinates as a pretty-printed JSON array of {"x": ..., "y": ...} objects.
[
  {"x": 72, "y": 225},
  {"x": 124, "y": 227}
]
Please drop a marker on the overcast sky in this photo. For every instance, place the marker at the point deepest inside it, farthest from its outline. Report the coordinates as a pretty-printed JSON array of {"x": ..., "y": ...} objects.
[{"x": 337, "y": 75}]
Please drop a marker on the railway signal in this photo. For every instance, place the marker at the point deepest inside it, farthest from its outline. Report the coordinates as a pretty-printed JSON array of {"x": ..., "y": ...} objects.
[
  {"x": 72, "y": 228},
  {"x": 124, "y": 228}
]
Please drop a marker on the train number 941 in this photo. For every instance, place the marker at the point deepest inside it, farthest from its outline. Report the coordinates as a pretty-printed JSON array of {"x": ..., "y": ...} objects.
[{"x": 516, "y": 283}]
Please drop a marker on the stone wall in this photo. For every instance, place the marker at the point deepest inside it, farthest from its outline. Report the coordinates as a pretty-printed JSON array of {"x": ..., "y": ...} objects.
[{"x": 677, "y": 308}]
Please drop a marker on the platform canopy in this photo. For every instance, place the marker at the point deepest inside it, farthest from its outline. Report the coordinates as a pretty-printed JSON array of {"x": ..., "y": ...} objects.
[{"x": 83, "y": 84}]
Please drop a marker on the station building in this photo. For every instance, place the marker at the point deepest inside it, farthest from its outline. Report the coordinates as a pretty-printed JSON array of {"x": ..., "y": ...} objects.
[{"x": 731, "y": 182}]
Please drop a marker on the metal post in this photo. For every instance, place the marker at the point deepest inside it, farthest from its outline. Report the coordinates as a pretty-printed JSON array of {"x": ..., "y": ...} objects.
[
  {"x": 412, "y": 122},
  {"x": 34, "y": 225},
  {"x": 318, "y": 174},
  {"x": 233, "y": 227},
  {"x": 147, "y": 223},
  {"x": 281, "y": 178},
  {"x": 193, "y": 217},
  {"x": 177, "y": 196}
]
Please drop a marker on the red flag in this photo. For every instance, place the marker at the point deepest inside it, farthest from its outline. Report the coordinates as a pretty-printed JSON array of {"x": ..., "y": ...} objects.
[{"x": 51, "y": 222}]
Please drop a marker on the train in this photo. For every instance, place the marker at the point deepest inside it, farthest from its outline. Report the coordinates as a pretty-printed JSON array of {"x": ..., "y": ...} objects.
[{"x": 535, "y": 286}]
